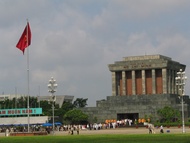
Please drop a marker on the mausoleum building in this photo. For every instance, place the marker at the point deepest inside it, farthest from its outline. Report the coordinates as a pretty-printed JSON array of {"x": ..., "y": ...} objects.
[
  {"x": 140, "y": 75},
  {"x": 140, "y": 86}
]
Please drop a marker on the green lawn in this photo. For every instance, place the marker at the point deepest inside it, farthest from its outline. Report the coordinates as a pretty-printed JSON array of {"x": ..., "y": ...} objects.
[{"x": 149, "y": 138}]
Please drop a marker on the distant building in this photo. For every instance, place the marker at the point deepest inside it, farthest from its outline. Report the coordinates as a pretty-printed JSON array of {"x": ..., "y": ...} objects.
[
  {"x": 17, "y": 116},
  {"x": 3, "y": 97},
  {"x": 140, "y": 86},
  {"x": 59, "y": 98}
]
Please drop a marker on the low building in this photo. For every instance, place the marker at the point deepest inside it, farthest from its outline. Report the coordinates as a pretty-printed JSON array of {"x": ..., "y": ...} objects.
[
  {"x": 24, "y": 120},
  {"x": 16, "y": 116}
]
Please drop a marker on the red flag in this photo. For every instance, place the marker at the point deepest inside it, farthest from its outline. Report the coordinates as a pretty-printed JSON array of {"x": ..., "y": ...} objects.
[{"x": 25, "y": 39}]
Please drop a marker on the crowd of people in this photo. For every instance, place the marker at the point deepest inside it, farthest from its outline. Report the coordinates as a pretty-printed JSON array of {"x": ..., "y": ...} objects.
[
  {"x": 76, "y": 128},
  {"x": 20, "y": 128},
  {"x": 70, "y": 128}
]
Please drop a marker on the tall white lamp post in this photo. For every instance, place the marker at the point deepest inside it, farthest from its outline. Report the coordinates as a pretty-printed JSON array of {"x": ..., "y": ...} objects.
[
  {"x": 51, "y": 88},
  {"x": 180, "y": 83}
]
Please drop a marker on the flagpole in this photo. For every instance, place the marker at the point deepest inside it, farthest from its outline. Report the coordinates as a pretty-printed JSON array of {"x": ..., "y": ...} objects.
[
  {"x": 22, "y": 44},
  {"x": 28, "y": 105}
]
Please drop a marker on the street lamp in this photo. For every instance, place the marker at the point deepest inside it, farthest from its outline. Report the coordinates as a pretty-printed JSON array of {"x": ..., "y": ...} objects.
[
  {"x": 51, "y": 88},
  {"x": 180, "y": 83}
]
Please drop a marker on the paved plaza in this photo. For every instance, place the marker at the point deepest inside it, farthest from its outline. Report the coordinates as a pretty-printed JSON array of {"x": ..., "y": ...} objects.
[
  {"x": 132, "y": 130},
  {"x": 141, "y": 130}
]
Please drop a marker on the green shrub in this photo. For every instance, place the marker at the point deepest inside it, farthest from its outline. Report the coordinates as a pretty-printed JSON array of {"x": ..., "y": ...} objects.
[{"x": 187, "y": 123}]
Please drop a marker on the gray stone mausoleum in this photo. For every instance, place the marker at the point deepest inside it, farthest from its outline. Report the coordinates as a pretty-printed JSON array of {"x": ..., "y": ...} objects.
[{"x": 140, "y": 86}]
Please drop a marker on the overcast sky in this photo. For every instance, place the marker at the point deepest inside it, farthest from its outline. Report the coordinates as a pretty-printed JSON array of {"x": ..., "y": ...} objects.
[{"x": 75, "y": 40}]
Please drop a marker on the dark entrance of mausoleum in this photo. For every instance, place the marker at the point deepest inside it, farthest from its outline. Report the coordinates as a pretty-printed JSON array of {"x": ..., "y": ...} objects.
[{"x": 132, "y": 116}]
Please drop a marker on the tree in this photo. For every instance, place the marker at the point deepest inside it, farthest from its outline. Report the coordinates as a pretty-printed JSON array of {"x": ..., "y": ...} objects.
[
  {"x": 80, "y": 102},
  {"x": 167, "y": 114},
  {"x": 64, "y": 109},
  {"x": 76, "y": 117},
  {"x": 46, "y": 108},
  {"x": 33, "y": 102}
]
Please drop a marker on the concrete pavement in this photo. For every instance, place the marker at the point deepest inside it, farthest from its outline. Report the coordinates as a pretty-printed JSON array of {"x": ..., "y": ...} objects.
[{"x": 131, "y": 130}]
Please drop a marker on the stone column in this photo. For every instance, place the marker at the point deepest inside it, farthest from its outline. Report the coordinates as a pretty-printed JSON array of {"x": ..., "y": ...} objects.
[
  {"x": 113, "y": 84},
  {"x": 133, "y": 83},
  {"x": 164, "y": 81},
  {"x": 173, "y": 82},
  {"x": 124, "y": 83},
  {"x": 153, "y": 81},
  {"x": 169, "y": 81},
  {"x": 143, "y": 82}
]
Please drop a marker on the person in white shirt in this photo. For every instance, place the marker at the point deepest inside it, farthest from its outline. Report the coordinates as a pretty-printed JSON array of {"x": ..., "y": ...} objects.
[{"x": 161, "y": 129}]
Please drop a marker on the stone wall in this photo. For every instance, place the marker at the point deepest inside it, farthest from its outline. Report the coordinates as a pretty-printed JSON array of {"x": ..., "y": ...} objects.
[{"x": 141, "y": 104}]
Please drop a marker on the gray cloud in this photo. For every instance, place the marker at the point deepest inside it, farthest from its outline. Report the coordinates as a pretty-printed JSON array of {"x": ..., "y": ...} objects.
[{"x": 74, "y": 41}]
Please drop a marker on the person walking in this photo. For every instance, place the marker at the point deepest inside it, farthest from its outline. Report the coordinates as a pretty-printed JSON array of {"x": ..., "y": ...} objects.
[
  {"x": 72, "y": 130},
  {"x": 78, "y": 130},
  {"x": 161, "y": 129},
  {"x": 149, "y": 128}
]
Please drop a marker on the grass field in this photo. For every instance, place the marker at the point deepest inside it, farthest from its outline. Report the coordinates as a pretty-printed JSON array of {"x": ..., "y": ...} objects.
[{"x": 114, "y": 138}]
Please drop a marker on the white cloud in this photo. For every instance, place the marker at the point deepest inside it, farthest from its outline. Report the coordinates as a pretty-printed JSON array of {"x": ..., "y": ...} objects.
[{"x": 75, "y": 41}]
